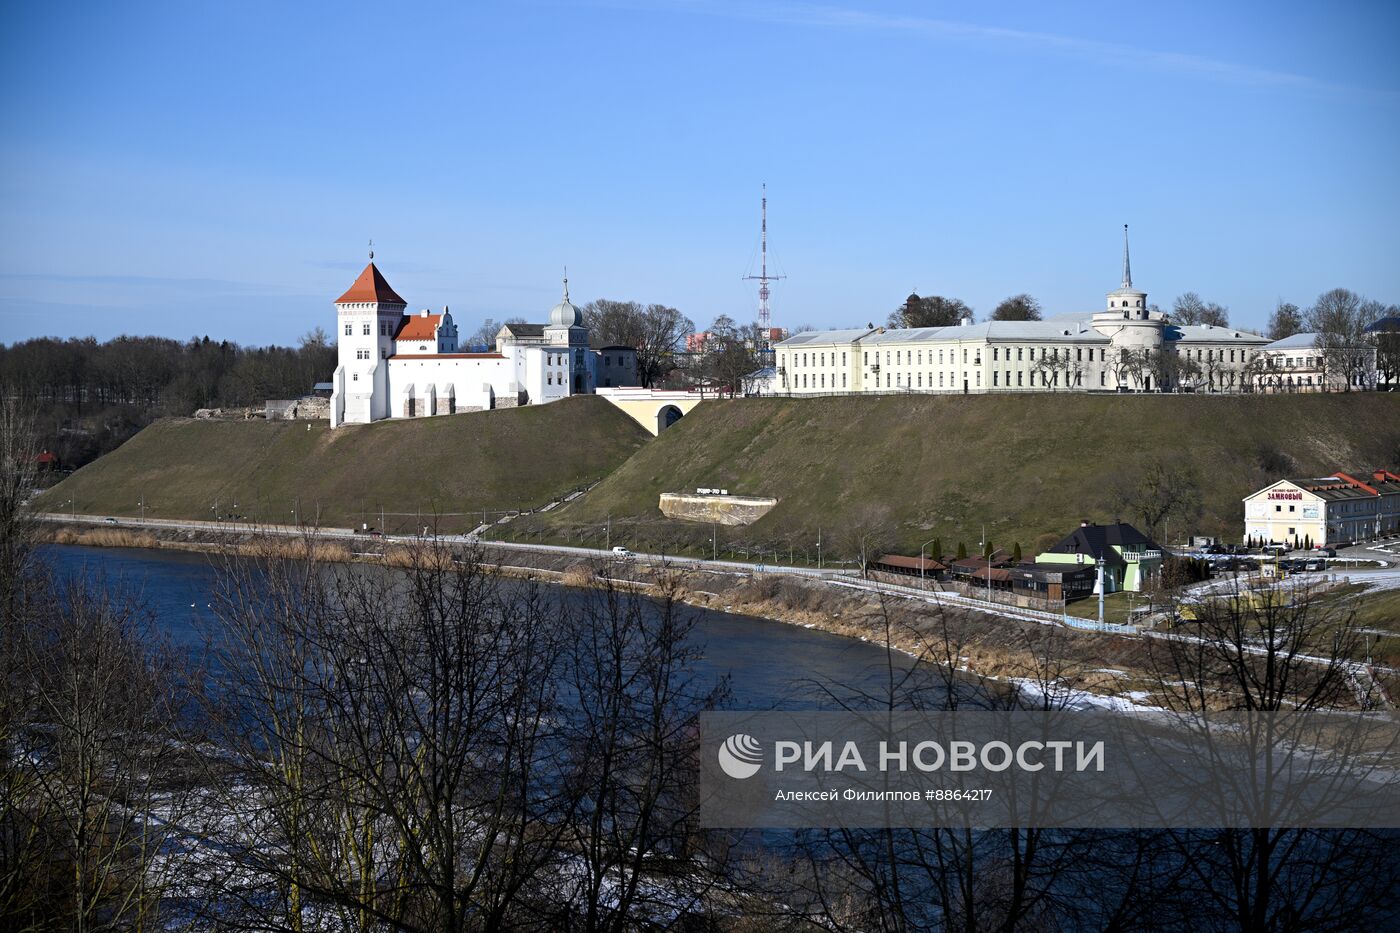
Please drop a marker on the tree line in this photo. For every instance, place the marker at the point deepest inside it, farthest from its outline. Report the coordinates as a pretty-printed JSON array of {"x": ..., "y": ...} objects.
[{"x": 89, "y": 396}]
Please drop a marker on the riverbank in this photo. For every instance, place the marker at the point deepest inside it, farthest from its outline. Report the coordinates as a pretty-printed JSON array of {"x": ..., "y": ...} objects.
[{"x": 1088, "y": 668}]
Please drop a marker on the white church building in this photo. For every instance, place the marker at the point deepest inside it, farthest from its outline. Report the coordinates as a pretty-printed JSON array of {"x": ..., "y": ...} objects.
[{"x": 393, "y": 364}]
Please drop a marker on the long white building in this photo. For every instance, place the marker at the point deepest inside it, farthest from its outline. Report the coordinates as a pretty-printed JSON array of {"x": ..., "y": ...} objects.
[
  {"x": 392, "y": 364},
  {"x": 1125, "y": 347}
]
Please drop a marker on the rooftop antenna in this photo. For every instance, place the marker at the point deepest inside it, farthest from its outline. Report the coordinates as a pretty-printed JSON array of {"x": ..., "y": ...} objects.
[{"x": 763, "y": 278}]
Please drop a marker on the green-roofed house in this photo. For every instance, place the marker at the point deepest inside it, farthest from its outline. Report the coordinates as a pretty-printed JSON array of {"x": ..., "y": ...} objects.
[{"x": 1130, "y": 558}]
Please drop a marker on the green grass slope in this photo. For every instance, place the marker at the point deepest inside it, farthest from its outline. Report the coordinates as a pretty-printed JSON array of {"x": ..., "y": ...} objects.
[
  {"x": 917, "y": 467},
  {"x": 450, "y": 466}
]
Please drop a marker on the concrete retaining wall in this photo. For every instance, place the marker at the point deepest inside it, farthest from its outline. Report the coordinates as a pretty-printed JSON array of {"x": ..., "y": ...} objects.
[{"x": 723, "y": 510}]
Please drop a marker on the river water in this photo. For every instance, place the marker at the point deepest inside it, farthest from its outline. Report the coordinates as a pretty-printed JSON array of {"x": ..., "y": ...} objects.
[{"x": 771, "y": 665}]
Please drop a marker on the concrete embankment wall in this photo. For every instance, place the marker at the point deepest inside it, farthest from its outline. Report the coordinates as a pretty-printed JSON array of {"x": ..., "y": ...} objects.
[{"x": 723, "y": 510}]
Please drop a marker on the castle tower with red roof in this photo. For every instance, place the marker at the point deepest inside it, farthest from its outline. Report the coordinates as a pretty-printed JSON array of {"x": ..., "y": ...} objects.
[
  {"x": 368, "y": 316},
  {"x": 391, "y": 364}
]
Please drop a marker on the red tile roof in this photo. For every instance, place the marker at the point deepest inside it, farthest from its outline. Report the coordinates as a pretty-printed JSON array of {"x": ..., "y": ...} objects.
[
  {"x": 911, "y": 563},
  {"x": 418, "y": 327},
  {"x": 371, "y": 286}
]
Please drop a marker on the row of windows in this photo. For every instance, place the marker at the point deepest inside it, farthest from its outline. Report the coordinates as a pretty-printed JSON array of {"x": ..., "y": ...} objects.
[
  {"x": 1211, "y": 355},
  {"x": 818, "y": 381},
  {"x": 364, "y": 328},
  {"x": 819, "y": 359},
  {"x": 916, "y": 357},
  {"x": 1050, "y": 353},
  {"x": 1046, "y": 378}
]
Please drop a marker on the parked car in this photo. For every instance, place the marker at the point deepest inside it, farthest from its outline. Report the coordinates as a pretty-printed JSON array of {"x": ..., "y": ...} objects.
[
  {"x": 1326, "y": 551},
  {"x": 111, "y": 521},
  {"x": 620, "y": 551}
]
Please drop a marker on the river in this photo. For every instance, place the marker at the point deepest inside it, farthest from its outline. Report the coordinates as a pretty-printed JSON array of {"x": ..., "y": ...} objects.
[{"x": 771, "y": 665}]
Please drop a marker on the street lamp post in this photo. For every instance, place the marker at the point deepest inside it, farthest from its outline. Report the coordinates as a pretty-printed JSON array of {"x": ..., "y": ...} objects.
[
  {"x": 1099, "y": 562},
  {"x": 921, "y": 560}
]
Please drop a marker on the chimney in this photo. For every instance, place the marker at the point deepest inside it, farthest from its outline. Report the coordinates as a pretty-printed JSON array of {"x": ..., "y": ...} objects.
[{"x": 965, "y": 322}]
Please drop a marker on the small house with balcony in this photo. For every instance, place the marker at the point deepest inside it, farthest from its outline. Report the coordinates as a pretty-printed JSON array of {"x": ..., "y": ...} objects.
[{"x": 1131, "y": 560}]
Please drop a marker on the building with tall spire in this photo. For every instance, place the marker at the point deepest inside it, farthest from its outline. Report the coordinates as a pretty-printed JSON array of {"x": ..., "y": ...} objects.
[
  {"x": 393, "y": 364},
  {"x": 1127, "y": 347}
]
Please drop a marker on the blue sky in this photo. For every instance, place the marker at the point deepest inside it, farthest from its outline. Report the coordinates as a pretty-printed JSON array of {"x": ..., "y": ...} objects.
[{"x": 191, "y": 168}]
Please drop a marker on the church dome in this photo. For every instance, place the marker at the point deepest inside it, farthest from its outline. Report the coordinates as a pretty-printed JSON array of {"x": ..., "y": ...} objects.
[{"x": 564, "y": 314}]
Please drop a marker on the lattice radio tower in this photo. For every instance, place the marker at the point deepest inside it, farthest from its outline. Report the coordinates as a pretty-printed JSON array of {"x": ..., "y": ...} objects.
[{"x": 765, "y": 319}]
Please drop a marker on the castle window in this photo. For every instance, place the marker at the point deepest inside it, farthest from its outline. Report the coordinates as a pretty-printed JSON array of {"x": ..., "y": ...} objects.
[
  {"x": 366, "y": 328},
  {"x": 348, "y": 329}
]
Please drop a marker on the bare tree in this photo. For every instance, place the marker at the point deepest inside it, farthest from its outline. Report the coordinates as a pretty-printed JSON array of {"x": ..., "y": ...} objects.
[
  {"x": 1386, "y": 333},
  {"x": 630, "y": 669},
  {"x": 1340, "y": 319},
  {"x": 97, "y": 767},
  {"x": 1190, "y": 309},
  {"x": 868, "y": 531},
  {"x": 1272, "y": 650},
  {"x": 1156, "y": 489},
  {"x": 655, "y": 331},
  {"x": 485, "y": 335}
]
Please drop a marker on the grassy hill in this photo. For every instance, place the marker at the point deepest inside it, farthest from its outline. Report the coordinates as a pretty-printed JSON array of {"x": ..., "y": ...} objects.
[
  {"x": 908, "y": 468},
  {"x": 451, "y": 466}
]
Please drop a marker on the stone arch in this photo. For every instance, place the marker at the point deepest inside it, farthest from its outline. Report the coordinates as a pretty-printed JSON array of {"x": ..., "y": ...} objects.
[{"x": 666, "y": 416}]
